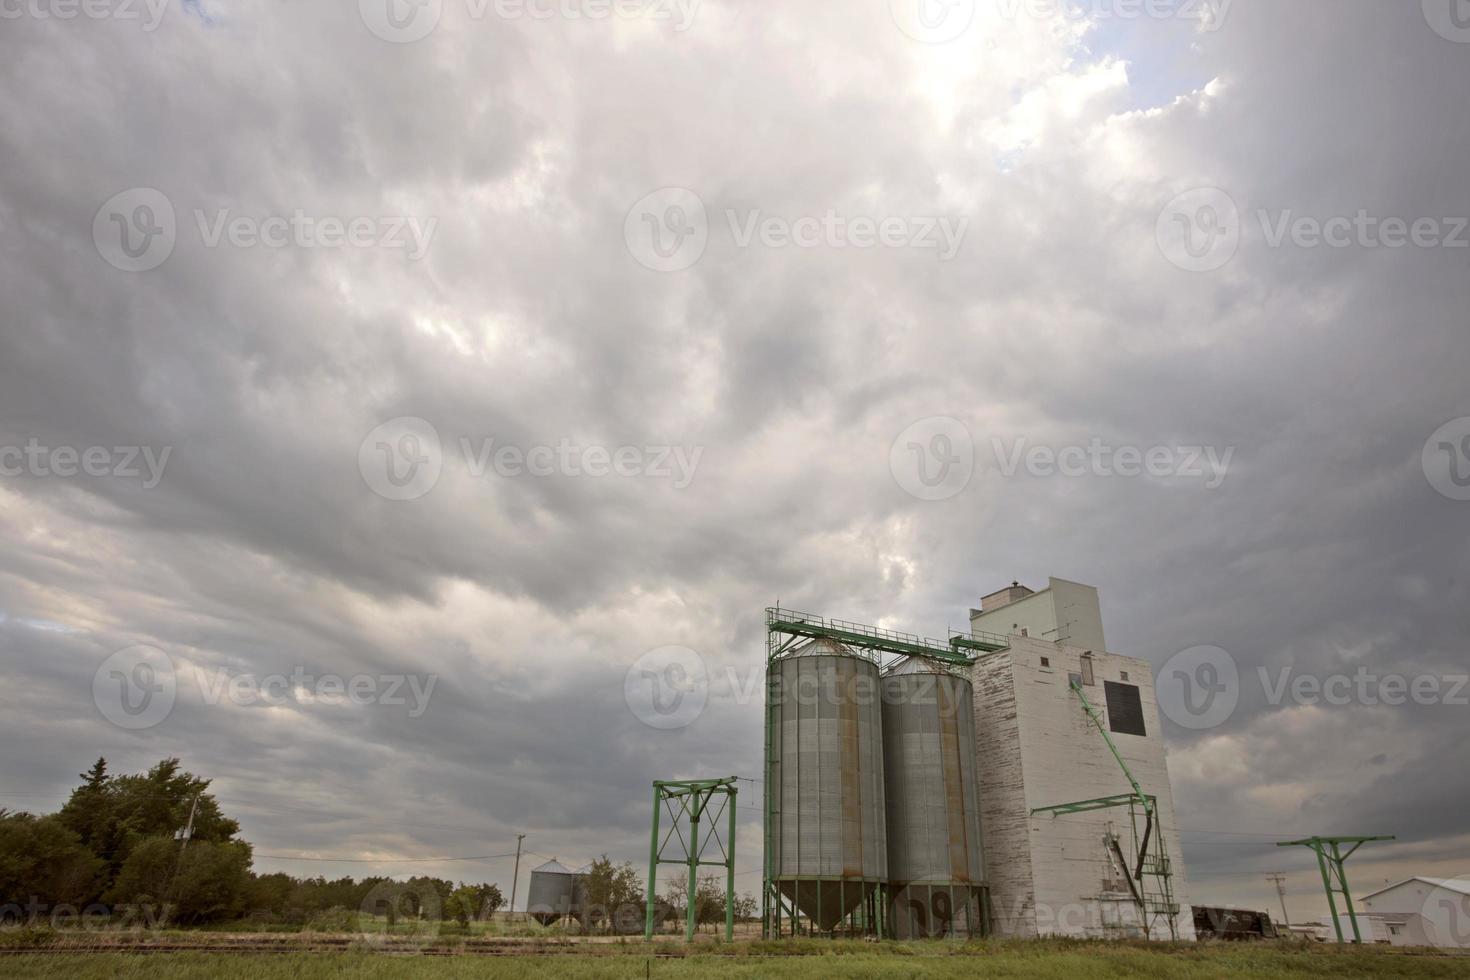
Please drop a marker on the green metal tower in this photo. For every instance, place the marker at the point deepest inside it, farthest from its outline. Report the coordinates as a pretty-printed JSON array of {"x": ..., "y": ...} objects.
[
  {"x": 693, "y": 798},
  {"x": 1151, "y": 877},
  {"x": 1331, "y": 861}
]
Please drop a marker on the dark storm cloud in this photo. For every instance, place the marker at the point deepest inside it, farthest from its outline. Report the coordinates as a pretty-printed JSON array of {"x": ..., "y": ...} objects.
[{"x": 793, "y": 370}]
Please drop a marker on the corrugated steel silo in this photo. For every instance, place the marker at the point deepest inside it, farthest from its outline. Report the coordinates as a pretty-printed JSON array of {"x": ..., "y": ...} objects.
[
  {"x": 828, "y": 852},
  {"x": 553, "y": 892},
  {"x": 933, "y": 807}
]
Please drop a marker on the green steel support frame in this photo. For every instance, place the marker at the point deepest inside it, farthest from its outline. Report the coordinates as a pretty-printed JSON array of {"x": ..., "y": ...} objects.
[
  {"x": 693, "y": 797},
  {"x": 1331, "y": 861},
  {"x": 874, "y": 639}
]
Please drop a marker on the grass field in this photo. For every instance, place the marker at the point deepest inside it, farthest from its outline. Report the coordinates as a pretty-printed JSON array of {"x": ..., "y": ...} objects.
[{"x": 1051, "y": 959}]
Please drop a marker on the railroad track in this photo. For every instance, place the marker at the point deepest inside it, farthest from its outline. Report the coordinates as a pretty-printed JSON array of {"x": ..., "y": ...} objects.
[
  {"x": 470, "y": 949},
  {"x": 350, "y": 945}
]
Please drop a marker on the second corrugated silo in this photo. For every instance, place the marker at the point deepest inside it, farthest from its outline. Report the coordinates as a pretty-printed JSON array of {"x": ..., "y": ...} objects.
[
  {"x": 553, "y": 894},
  {"x": 827, "y": 849},
  {"x": 933, "y": 808}
]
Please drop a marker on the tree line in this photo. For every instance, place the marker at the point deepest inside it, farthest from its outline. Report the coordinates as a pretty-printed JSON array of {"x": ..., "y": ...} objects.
[{"x": 116, "y": 848}]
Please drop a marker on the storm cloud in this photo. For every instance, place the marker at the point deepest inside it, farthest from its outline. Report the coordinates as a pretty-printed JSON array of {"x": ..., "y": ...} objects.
[{"x": 426, "y": 325}]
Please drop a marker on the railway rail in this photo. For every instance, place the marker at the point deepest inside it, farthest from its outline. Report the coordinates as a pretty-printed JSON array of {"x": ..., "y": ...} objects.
[{"x": 273, "y": 947}]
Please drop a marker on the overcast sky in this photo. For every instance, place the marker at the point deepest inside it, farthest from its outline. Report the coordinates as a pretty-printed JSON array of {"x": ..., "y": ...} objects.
[{"x": 451, "y": 345}]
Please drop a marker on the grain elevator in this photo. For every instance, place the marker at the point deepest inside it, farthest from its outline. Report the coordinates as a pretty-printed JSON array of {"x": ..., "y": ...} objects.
[{"x": 1008, "y": 779}]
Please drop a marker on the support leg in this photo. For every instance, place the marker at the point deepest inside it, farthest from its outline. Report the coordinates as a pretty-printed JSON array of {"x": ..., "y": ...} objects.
[{"x": 652, "y": 866}]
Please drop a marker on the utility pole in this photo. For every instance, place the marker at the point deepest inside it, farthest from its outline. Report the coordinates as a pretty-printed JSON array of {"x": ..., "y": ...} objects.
[
  {"x": 1330, "y": 861},
  {"x": 1280, "y": 880},
  {"x": 515, "y": 876},
  {"x": 182, "y": 836},
  {"x": 187, "y": 832}
]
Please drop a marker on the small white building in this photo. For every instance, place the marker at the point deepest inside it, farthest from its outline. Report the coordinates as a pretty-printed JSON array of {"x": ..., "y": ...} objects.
[
  {"x": 1372, "y": 928},
  {"x": 1420, "y": 911}
]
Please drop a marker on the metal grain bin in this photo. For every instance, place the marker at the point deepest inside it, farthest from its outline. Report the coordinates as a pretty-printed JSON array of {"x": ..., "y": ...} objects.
[
  {"x": 553, "y": 892},
  {"x": 934, "y": 860},
  {"x": 825, "y": 773}
]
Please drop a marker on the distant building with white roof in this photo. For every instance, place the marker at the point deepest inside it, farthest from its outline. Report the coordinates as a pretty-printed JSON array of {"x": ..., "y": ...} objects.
[{"x": 1421, "y": 911}]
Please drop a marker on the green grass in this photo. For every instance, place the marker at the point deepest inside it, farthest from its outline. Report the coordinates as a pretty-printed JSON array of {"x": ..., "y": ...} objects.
[{"x": 1049, "y": 959}]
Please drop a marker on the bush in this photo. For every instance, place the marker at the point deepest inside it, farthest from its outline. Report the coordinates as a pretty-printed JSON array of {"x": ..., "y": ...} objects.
[
  {"x": 27, "y": 937},
  {"x": 334, "y": 919}
]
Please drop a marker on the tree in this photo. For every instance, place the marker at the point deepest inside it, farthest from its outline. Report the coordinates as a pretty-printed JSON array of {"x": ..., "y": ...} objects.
[
  {"x": 271, "y": 893},
  {"x": 114, "y": 839},
  {"x": 676, "y": 894},
  {"x": 160, "y": 801},
  {"x": 462, "y": 905},
  {"x": 488, "y": 900},
  {"x": 613, "y": 895},
  {"x": 209, "y": 882},
  {"x": 43, "y": 861},
  {"x": 425, "y": 897},
  {"x": 113, "y": 814},
  {"x": 709, "y": 898},
  {"x": 212, "y": 881},
  {"x": 86, "y": 812}
]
